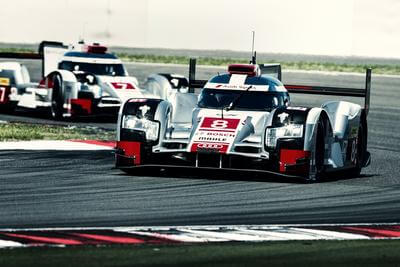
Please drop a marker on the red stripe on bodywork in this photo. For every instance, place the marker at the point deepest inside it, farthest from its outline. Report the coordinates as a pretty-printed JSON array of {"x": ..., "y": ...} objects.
[
  {"x": 302, "y": 87},
  {"x": 373, "y": 232},
  {"x": 51, "y": 240},
  {"x": 131, "y": 149},
  {"x": 216, "y": 130},
  {"x": 111, "y": 239},
  {"x": 210, "y": 147},
  {"x": 290, "y": 157},
  {"x": 85, "y": 104},
  {"x": 122, "y": 85}
]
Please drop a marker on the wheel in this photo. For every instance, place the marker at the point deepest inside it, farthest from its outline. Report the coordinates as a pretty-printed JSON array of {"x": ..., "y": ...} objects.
[
  {"x": 8, "y": 108},
  {"x": 316, "y": 171},
  {"x": 57, "y": 99},
  {"x": 6, "y": 105},
  {"x": 360, "y": 151}
]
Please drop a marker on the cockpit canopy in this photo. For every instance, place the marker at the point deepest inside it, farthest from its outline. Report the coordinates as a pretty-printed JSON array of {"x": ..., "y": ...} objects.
[
  {"x": 104, "y": 69},
  {"x": 257, "y": 93},
  {"x": 250, "y": 100},
  {"x": 96, "y": 63}
]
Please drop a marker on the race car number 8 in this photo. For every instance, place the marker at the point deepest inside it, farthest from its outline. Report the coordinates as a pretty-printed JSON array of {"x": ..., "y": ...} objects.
[{"x": 219, "y": 124}]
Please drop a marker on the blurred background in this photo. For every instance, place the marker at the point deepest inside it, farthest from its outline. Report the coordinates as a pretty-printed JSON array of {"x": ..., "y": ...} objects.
[{"x": 320, "y": 27}]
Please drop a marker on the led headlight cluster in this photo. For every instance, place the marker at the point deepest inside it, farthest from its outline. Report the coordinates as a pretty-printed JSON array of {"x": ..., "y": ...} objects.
[
  {"x": 288, "y": 131},
  {"x": 142, "y": 124}
]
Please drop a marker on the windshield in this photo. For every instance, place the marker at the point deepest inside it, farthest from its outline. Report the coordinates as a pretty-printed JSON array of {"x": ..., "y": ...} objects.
[
  {"x": 9, "y": 74},
  {"x": 250, "y": 100},
  {"x": 95, "y": 68}
]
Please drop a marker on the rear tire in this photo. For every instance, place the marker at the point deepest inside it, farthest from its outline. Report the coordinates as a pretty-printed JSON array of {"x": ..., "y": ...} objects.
[
  {"x": 361, "y": 151},
  {"x": 318, "y": 155},
  {"x": 57, "y": 99}
]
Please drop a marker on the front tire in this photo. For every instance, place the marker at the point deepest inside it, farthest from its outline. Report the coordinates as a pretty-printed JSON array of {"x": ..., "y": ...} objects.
[{"x": 57, "y": 98}]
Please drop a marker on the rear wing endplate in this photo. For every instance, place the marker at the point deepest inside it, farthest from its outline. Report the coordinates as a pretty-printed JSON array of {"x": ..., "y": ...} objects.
[{"x": 276, "y": 71}]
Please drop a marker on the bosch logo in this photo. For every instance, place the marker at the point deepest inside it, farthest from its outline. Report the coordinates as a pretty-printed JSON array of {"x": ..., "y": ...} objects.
[{"x": 210, "y": 146}]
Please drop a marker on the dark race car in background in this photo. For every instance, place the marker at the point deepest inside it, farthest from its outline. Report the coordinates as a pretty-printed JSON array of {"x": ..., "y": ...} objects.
[{"x": 244, "y": 119}]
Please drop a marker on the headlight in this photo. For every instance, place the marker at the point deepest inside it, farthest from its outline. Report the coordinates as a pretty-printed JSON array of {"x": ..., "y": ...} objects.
[
  {"x": 142, "y": 124},
  {"x": 288, "y": 131}
]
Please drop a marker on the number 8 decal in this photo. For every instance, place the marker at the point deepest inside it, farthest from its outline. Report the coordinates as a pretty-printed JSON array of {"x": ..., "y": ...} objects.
[{"x": 219, "y": 124}]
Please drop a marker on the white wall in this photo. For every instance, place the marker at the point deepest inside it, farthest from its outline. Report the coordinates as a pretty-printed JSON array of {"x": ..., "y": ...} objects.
[{"x": 332, "y": 27}]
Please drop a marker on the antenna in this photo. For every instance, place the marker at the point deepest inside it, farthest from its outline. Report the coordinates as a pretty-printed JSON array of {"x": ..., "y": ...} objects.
[
  {"x": 82, "y": 38},
  {"x": 253, "y": 53}
]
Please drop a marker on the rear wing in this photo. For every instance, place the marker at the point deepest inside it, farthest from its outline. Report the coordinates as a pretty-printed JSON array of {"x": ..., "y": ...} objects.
[
  {"x": 46, "y": 53},
  {"x": 337, "y": 91},
  {"x": 276, "y": 71}
]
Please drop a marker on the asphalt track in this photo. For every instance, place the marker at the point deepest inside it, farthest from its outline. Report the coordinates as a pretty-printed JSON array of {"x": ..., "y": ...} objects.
[{"x": 65, "y": 189}]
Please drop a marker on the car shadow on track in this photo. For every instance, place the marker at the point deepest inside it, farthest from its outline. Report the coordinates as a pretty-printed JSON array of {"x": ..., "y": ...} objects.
[
  {"x": 342, "y": 176},
  {"x": 235, "y": 175},
  {"x": 215, "y": 174}
]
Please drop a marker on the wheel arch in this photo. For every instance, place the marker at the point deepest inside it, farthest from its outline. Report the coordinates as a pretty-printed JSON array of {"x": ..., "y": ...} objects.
[
  {"x": 314, "y": 115},
  {"x": 66, "y": 76},
  {"x": 158, "y": 110}
]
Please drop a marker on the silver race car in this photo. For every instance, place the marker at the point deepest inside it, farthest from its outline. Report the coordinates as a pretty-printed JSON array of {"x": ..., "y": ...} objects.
[
  {"x": 77, "y": 80},
  {"x": 244, "y": 119}
]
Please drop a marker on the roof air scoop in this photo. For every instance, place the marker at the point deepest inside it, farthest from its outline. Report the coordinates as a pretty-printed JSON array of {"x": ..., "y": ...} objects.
[
  {"x": 245, "y": 69},
  {"x": 96, "y": 49}
]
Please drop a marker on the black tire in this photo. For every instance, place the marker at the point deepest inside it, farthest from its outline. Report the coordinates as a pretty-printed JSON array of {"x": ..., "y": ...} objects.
[
  {"x": 319, "y": 153},
  {"x": 8, "y": 108},
  {"x": 361, "y": 150},
  {"x": 57, "y": 99}
]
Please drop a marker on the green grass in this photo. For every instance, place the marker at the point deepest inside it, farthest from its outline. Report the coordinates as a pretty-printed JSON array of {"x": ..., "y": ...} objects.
[
  {"x": 221, "y": 61},
  {"x": 288, "y": 253},
  {"x": 21, "y": 131},
  {"x": 16, "y": 50},
  {"x": 299, "y": 65}
]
